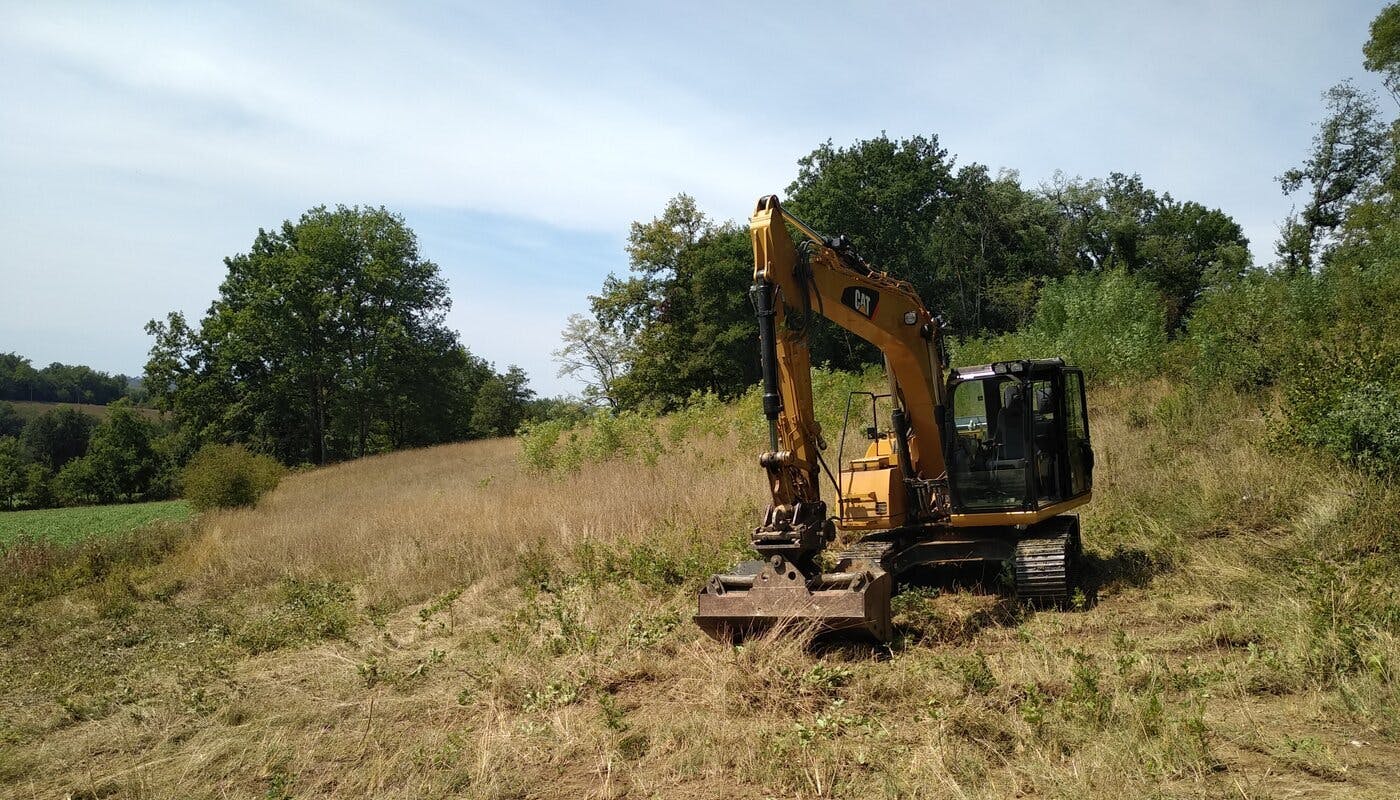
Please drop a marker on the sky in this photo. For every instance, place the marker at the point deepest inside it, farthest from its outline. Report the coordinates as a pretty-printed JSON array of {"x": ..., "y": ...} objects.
[{"x": 142, "y": 143}]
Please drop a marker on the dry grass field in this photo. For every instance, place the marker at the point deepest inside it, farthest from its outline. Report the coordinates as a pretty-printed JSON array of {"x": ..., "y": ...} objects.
[{"x": 445, "y": 623}]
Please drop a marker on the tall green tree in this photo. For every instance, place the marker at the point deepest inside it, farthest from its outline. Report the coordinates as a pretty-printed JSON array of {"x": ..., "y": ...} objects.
[
  {"x": 502, "y": 403},
  {"x": 884, "y": 195},
  {"x": 683, "y": 315},
  {"x": 1382, "y": 49},
  {"x": 327, "y": 341},
  {"x": 58, "y": 436},
  {"x": 1346, "y": 165},
  {"x": 122, "y": 455}
]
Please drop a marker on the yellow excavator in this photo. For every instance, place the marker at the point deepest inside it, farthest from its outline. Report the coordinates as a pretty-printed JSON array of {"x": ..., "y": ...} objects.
[{"x": 976, "y": 465}]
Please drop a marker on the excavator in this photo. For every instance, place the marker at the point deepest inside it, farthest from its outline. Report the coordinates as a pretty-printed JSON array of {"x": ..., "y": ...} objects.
[{"x": 977, "y": 465}]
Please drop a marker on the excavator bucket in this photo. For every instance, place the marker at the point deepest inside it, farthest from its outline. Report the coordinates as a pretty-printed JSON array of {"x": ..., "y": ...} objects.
[{"x": 761, "y": 595}]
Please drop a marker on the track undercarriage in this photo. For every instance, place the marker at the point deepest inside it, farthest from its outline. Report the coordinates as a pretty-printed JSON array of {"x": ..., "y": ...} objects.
[{"x": 854, "y": 598}]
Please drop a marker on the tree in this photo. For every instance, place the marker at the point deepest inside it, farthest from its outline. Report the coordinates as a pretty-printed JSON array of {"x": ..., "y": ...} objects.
[
  {"x": 1346, "y": 163},
  {"x": 327, "y": 341},
  {"x": 684, "y": 315},
  {"x": 122, "y": 454},
  {"x": 12, "y": 471},
  {"x": 594, "y": 355},
  {"x": 884, "y": 195},
  {"x": 56, "y": 437},
  {"x": 501, "y": 404},
  {"x": 1382, "y": 50},
  {"x": 11, "y": 423}
]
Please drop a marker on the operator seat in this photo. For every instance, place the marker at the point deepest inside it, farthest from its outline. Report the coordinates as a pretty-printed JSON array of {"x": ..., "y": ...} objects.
[{"x": 1011, "y": 430}]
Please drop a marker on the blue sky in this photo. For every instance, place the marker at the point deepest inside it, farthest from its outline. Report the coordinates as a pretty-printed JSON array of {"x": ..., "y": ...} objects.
[{"x": 141, "y": 143}]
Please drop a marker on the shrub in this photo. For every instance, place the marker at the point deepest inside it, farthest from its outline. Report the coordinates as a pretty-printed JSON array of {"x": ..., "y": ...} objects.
[
  {"x": 228, "y": 476},
  {"x": 78, "y": 483},
  {"x": 1246, "y": 333},
  {"x": 537, "y": 441},
  {"x": 1110, "y": 323},
  {"x": 1341, "y": 386}
]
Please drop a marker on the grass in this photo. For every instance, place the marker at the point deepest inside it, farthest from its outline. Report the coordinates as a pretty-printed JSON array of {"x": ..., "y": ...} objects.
[
  {"x": 72, "y": 525},
  {"x": 447, "y": 623},
  {"x": 28, "y": 409}
]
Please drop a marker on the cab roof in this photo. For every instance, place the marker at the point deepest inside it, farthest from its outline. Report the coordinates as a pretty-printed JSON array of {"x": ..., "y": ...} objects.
[{"x": 1023, "y": 367}]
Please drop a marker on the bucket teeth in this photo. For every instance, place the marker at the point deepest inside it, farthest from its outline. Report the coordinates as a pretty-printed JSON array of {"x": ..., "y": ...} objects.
[{"x": 758, "y": 596}]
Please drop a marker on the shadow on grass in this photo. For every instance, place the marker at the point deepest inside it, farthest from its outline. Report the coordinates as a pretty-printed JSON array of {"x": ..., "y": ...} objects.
[{"x": 1124, "y": 567}]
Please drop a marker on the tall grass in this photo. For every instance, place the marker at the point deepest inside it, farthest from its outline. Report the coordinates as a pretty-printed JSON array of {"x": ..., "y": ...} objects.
[{"x": 458, "y": 622}]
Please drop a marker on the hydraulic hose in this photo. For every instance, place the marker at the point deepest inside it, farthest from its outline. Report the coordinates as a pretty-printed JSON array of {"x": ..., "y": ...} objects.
[{"x": 762, "y": 297}]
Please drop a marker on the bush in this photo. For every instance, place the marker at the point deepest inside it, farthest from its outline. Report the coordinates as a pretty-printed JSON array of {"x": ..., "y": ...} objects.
[
  {"x": 77, "y": 483},
  {"x": 1112, "y": 324},
  {"x": 228, "y": 476},
  {"x": 1245, "y": 333}
]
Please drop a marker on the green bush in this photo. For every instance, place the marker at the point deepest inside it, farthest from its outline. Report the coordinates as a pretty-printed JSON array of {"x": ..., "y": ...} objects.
[
  {"x": 228, "y": 476},
  {"x": 77, "y": 483},
  {"x": 537, "y": 443},
  {"x": 1247, "y": 332},
  {"x": 1112, "y": 324},
  {"x": 558, "y": 445}
]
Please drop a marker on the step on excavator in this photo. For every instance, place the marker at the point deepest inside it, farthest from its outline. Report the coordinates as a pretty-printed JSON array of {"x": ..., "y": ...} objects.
[{"x": 977, "y": 465}]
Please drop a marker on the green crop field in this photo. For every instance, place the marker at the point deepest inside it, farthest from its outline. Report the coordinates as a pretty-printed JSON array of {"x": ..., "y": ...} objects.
[{"x": 66, "y": 525}]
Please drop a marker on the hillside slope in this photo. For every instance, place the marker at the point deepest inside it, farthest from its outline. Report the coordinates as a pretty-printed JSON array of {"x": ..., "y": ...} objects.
[{"x": 443, "y": 623}]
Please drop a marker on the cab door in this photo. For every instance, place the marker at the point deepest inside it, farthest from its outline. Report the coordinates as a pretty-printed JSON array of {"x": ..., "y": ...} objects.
[{"x": 1080, "y": 452}]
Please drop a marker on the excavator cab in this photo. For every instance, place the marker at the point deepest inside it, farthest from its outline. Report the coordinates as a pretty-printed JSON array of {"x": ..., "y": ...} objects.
[{"x": 1018, "y": 437}]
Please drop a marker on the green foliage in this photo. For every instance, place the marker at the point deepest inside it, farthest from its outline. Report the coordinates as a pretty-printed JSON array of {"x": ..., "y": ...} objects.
[
  {"x": 78, "y": 483},
  {"x": 684, "y": 314},
  {"x": 228, "y": 476},
  {"x": 1112, "y": 324},
  {"x": 327, "y": 341},
  {"x": 123, "y": 456},
  {"x": 11, "y": 423},
  {"x": 1245, "y": 333},
  {"x": 565, "y": 445},
  {"x": 501, "y": 404},
  {"x": 306, "y": 611},
  {"x": 976, "y": 246},
  {"x": 12, "y": 471},
  {"x": 56, "y": 383},
  {"x": 1347, "y": 164},
  {"x": 58, "y": 436}
]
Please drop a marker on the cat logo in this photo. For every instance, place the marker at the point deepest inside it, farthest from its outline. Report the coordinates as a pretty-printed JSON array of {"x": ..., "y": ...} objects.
[{"x": 862, "y": 300}]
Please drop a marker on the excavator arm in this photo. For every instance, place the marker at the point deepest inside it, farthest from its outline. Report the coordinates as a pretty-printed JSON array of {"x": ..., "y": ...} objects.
[{"x": 825, "y": 277}]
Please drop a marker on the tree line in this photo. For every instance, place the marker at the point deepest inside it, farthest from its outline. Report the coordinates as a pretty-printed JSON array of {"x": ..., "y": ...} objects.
[
  {"x": 65, "y": 456},
  {"x": 61, "y": 383},
  {"x": 978, "y": 246}
]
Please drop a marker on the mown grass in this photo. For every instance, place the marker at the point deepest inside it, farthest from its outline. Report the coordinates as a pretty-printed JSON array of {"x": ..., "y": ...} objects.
[
  {"x": 447, "y": 623},
  {"x": 72, "y": 525}
]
